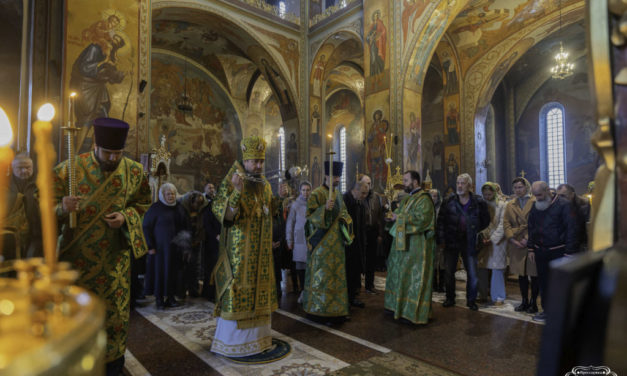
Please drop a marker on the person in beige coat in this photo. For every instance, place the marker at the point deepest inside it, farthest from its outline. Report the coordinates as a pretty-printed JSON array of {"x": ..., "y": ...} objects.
[
  {"x": 515, "y": 226},
  {"x": 494, "y": 242}
]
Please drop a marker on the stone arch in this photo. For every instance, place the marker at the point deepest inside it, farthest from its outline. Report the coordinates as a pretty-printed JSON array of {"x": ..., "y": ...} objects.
[
  {"x": 482, "y": 78},
  {"x": 197, "y": 11},
  {"x": 432, "y": 26}
]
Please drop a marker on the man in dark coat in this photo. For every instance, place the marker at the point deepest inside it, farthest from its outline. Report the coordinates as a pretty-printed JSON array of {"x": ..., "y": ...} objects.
[
  {"x": 211, "y": 243},
  {"x": 552, "y": 227},
  {"x": 376, "y": 256},
  {"x": 356, "y": 252},
  {"x": 581, "y": 209},
  {"x": 462, "y": 216}
]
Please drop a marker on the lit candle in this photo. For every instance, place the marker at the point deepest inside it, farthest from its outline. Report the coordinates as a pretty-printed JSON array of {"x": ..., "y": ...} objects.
[
  {"x": 6, "y": 157},
  {"x": 45, "y": 159}
]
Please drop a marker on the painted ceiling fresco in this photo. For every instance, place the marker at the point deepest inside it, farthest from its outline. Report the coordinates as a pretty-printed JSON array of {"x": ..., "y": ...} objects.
[
  {"x": 200, "y": 143},
  {"x": 238, "y": 72},
  {"x": 345, "y": 76},
  {"x": 485, "y": 23},
  {"x": 210, "y": 36}
]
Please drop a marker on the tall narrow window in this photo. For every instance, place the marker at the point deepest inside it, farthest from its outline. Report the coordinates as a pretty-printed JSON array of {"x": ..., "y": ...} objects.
[
  {"x": 281, "y": 149},
  {"x": 343, "y": 158},
  {"x": 552, "y": 150},
  {"x": 282, "y": 9}
]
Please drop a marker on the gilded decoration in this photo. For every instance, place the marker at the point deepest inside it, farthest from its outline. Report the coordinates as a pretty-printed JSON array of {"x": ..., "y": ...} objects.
[{"x": 603, "y": 204}]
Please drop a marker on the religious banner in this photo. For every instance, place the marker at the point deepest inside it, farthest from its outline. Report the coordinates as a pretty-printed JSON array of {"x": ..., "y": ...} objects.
[{"x": 102, "y": 65}]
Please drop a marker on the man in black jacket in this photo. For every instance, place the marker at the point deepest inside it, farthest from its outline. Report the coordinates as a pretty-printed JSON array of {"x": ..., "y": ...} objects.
[
  {"x": 552, "y": 230},
  {"x": 356, "y": 252},
  {"x": 581, "y": 208},
  {"x": 461, "y": 217}
]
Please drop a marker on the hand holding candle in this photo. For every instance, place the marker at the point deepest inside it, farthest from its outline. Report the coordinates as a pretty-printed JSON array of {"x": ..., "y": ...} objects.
[
  {"x": 45, "y": 159},
  {"x": 6, "y": 157}
]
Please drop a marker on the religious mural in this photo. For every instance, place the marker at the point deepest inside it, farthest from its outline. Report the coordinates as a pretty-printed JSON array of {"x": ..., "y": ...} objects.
[
  {"x": 485, "y": 23},
  {"x": 204, "y": 143},
  {"x": 377, "y": 45},
  {"x": 343, "y": 109},
  {"x": 102, "y": 64}
]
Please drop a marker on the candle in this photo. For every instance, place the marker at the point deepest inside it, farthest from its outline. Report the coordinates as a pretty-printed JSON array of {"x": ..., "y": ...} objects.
[
  {"x": 45, "y": 159},
  {"x": 6, "y": 157}
]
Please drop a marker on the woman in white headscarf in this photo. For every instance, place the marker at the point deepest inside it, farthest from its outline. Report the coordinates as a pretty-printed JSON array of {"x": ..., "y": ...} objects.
[{"x": 162, "y": 223}]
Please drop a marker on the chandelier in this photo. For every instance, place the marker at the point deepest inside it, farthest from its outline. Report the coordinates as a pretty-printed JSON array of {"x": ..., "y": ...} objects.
[
  {"x": 562, "y": 67},
  {"x": 184, "y": 103}
]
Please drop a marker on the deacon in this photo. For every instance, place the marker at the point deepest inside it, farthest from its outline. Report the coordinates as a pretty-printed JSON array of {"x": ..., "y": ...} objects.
[
  {"x": 113, "y": 196},
  {"x": 409, "y": 282},
  {"x": 329, "y": 228},
  {"x": 244, "y": 275}
]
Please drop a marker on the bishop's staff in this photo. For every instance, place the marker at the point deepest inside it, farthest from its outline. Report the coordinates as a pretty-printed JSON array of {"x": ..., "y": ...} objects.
[{"x": 71, "y": 131}]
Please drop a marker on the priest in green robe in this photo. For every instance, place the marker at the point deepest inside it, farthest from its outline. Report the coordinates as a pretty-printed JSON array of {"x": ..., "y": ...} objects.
[
  {"x": 246, "y": 294},
  {"x": 408, "y": 285},
  {"x": 112, "y": 196},
  {"x": 328, "y": 230}
]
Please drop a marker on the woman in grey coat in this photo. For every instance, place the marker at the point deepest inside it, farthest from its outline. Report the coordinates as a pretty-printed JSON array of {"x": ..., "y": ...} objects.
[{"x": 295, "y": 233}]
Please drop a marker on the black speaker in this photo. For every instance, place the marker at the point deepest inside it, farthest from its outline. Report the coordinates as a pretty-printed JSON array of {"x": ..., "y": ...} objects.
[{"x": 142, "y": 85}]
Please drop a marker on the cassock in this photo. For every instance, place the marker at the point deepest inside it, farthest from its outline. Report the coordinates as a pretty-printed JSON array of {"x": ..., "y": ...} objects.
[
  {"x": 408, "y": 286},
  {"x": 102, "y": 254},
  {"x": 325, "y": 292},
  {"x": 244, "y": 274}
]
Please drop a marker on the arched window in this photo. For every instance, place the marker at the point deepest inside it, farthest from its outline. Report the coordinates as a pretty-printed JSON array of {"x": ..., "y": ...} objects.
[
  {"x": 281, "y": 149},
  {"x": 343, "y": 158},
  {"x": 282, "y": 9},
  {"x": 552, "y": 149}
]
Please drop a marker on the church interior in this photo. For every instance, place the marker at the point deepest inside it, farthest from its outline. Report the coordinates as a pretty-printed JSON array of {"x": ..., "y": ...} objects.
[{"x": 497, "y": 89}]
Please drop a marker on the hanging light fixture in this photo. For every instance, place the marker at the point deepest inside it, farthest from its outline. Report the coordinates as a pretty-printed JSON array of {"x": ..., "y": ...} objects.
[
  {"x": 562, "y": 67},
  {"x": 184, "y": 103}
]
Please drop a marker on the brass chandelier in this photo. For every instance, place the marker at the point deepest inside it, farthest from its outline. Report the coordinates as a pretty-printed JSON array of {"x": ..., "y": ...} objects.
[{"x": 562, "y": 67}]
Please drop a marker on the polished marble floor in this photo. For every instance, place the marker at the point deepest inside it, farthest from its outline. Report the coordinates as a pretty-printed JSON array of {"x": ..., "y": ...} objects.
[{"x": 492, "y": 341}]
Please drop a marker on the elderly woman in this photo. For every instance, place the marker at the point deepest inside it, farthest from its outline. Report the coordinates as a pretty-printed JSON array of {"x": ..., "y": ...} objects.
[
  {"x": 295, "y": 233},
  {"x": 494, "y": 241},
  {"x": 163, "y": 221},
  {"x": 515, "y": 226}
]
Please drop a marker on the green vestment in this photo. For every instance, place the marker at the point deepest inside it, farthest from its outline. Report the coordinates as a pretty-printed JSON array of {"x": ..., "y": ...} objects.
[
  {"x": 408, "y": 286},
  {"x": 101, "y": 254},
  {"x": 325, "y": 291},
  {"x": 244, "y": 274}
]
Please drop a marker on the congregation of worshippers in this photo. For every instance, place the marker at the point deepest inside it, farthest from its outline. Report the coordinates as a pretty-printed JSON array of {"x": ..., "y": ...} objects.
[{"x": 320, "y": 241}]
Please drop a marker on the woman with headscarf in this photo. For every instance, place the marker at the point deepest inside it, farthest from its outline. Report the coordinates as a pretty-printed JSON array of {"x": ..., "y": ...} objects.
[
  {"x": 494, "y": 242},
  {"x": 163, "y": 221},
  {"x": 515, "y": 227}
]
